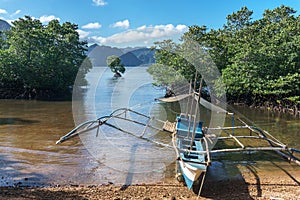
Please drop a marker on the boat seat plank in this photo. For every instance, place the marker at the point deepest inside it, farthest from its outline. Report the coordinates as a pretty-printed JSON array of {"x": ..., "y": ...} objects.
[
  {"x": 169, "y": 126},
  {"x": 182, "y": 127}
]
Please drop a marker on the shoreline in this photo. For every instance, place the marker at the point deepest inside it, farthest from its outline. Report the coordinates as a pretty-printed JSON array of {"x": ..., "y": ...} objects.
[
  {"x": 269, "y": 188},
  {"x": 279, "y": 181}
]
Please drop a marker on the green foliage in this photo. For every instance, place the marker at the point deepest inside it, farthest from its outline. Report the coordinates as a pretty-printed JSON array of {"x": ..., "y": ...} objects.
[
  {"x": 165, "y": 75},
  {"x": 294, "y": 99},
  {"x": 42, "y": 57},
  {"x": 115, "y": 65},
  {"x": 264, "y": 63},
  {"x": 170, "y": 65},
  {"x": 259, "y": 59}
]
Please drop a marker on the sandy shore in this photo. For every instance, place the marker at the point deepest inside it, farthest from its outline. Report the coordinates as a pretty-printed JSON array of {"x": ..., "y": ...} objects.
[{"x": 250, "y": 183}]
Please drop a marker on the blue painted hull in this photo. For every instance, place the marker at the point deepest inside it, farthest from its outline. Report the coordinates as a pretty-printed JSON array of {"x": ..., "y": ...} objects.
[{"x": 192, "y": 165}]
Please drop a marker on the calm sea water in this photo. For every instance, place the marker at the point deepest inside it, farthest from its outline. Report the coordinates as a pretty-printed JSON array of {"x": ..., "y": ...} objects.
[{"x": 29, "y": 130}]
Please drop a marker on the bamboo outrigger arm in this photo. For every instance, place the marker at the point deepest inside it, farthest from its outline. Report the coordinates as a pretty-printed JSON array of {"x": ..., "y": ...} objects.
[
  {"x": 88, "y": 126},
  {"x": 93, "y": 124}
]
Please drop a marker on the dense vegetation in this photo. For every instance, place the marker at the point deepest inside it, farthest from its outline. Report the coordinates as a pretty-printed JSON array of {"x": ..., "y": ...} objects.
[
  {"x": 40, "y": 61},
  {"x": 259, "y": 59},
  {"x": 115, "y": 65}
]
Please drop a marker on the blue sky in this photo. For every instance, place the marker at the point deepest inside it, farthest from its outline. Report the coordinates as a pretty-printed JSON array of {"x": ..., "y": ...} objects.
[{"x": 124, "y": 23}]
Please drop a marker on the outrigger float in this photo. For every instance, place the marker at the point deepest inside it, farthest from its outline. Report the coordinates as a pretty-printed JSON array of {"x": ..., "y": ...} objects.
[{"x": 194, "y": 144}]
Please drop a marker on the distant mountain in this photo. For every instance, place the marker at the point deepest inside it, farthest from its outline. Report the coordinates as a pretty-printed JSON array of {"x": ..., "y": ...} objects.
[
  {"x": 91, "y": 48},
  {"x": 98, "y": 54},
  {"x": 146, "y": 55},
  {"x": 129, "y": 59},
  {"x": 4, "y": 25},
  {"x": 131, "y": 56}
]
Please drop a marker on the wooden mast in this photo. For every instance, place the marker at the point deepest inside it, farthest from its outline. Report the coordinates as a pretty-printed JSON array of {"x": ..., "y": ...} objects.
[
  {"x": 190, "y": 115},
  {"x": 196, "y": 112}
]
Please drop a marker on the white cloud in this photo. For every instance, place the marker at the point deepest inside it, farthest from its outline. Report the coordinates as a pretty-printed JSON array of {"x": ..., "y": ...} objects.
[
  {"x": 17, "y": 12},
  {"x": 45, "y": 18},
  {"x": 100, "y": 2},
  {"x": 95, "y": 25},
  {"x": 83, "y": 35},
  {"x": 9, "y": 17},
  {"x": 121, "y": 24},
  {"x": 143, "y": 35},
  {"x": 99, "y": 40},
  {"x": 141, "y": 28},
  {"x": 181, "y": 28},
  {"x": 2, "y": 11}
]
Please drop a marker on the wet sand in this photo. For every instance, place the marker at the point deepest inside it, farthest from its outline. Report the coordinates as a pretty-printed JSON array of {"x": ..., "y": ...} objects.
[{"x": 282, "y": 182}]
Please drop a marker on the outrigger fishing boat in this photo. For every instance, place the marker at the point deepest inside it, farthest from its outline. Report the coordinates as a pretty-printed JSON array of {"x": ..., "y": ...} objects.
[
  {"x": 194, "y": 143},
  {"x": 190, "y": 145}
]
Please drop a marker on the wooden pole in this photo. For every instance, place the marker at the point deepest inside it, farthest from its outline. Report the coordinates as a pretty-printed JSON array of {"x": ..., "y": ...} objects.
[
  {"x": 196, "y": 112},
  {"x": 191, "y": 108},
  {"x": 188, "y": 103}
]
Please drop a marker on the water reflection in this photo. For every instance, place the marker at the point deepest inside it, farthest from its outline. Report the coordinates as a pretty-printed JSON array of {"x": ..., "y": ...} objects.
[
  {"x": 141, "y": 160},
  {"x": 11, "y": 121},
  {"x": 29, "y": 130}
]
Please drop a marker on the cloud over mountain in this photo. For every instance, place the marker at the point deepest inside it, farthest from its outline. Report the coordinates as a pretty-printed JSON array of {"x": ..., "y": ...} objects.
[
  {"x": 83, "y": 35},
  {"x": 144, "y": 34}
]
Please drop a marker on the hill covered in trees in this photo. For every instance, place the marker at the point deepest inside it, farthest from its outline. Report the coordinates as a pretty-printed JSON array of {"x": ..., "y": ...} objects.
[
  {"x": 4, "y": 26},
  {"x": 98, "y": 54},
  {"x": 259, "y": 60}
]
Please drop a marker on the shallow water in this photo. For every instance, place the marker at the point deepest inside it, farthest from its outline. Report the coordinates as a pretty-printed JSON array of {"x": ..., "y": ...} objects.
[{"x": 29, "y": 130}]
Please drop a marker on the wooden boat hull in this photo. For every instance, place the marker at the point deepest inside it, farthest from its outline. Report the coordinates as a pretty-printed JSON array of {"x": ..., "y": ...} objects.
[
  {"x": 191, "y": 165},
  {"x": 191, "y": 172}
]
